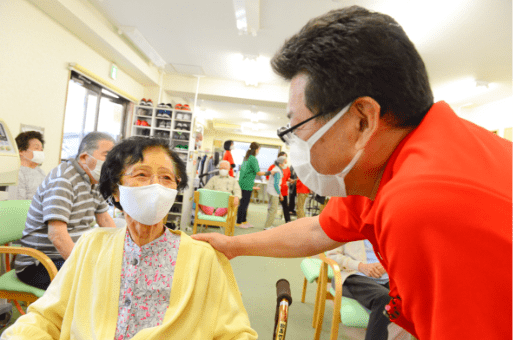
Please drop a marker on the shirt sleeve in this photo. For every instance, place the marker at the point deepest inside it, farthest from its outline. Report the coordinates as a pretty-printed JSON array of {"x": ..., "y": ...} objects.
[
  {"x": 344, "y": 261},
  {"x": 270, "y": 168},
  {"x": 341, "y": 218},
  {"x": 254, "y": 164},
  {"x": 101, "y": 204},
  {"x": 236, "y": 189},
  {"x": 58, "y": 200},
  {"x": 277, "y": 179},
  {"x": 210, "y": 184},
  {"x": 12, "y": 192}
]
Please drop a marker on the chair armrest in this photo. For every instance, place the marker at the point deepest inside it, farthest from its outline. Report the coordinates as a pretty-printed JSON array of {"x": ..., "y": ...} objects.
[
  {"x": 337, "y": 276},
  {"x": 231, "y": 201},
  {"x": 38, "y": 255},
  {"x": 337, "y": 299}
]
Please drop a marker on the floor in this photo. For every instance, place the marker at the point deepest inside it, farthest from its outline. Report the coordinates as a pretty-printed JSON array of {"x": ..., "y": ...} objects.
[{"x": 257, "y": 278}]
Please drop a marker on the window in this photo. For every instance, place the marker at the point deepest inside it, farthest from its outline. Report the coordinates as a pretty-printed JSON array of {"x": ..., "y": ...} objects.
[
  {"x": 266, "y": 156},
  {"x": 90, "y": 107}
]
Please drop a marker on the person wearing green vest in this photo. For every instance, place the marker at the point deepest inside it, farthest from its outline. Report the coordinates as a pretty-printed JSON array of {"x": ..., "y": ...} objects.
[{"x": 248, "y": 171}]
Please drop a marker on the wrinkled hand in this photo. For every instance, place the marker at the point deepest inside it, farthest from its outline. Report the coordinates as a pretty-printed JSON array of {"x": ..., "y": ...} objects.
[
  {"x": 281, "y": 198},
  {"x": 220, "y": 243},
  {"x": 236, "y": 201},
  {"x": 374, "y": 270}
]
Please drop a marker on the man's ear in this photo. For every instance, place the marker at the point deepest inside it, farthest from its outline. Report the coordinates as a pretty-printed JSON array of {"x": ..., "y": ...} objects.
[
  {"x": 368, "y": 112},
  {"x": 82, "y": 157}
]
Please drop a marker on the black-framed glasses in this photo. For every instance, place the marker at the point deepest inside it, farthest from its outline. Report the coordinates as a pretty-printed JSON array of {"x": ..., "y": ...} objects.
[{"x": 285, "y": 131}]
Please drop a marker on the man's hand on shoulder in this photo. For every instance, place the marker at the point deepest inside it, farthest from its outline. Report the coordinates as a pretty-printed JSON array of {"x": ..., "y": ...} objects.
[{"x": 219, "y": 242}]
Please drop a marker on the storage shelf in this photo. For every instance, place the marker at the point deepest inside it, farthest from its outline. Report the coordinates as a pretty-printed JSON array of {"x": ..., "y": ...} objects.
[
  {"x": 162, "y": 129},
  {"x": 163, "y": 118},
  {"x": 182, "y": 120},
  {"x": 175, "y": 214},
  {"x": 142, "y": 127}
]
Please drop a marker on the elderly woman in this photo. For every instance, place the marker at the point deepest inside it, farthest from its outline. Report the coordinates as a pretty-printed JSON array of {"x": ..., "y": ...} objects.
[{"x": 142, "y": 281}]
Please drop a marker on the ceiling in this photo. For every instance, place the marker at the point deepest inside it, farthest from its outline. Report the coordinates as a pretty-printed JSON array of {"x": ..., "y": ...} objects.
[{"x": 457, "y": 39}]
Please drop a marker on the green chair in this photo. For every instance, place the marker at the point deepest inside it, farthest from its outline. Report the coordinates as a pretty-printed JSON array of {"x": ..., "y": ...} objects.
[
  {"x": 345, "y": 310},
  {"x": 12, "y": 223},
  {"x": 216, "y": 199},
  {"x": 311, "y": 269}
]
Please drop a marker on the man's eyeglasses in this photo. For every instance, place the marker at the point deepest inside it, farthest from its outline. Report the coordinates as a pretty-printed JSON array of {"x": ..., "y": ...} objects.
[{"x": 285, "y": 132}]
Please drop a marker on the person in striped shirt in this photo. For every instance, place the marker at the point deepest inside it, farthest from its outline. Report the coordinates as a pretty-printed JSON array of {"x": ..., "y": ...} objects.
[{"x": 63, "y": 208}]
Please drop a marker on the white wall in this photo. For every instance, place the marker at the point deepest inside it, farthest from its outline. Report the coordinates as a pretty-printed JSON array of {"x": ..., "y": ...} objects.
[
  {"x": 494, "y": 116},
  {"x": 34, "y": 55}
]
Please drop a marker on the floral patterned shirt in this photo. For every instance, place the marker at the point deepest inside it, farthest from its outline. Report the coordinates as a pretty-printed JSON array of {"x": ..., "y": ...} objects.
[{"x": 146, "y": 278}]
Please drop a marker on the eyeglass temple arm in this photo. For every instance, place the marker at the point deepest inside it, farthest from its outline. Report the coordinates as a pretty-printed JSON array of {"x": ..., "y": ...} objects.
[{"x": 292, "y": 128}]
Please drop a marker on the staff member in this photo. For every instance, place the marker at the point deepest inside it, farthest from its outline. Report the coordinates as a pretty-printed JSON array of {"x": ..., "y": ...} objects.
[
  {"x": 284, "y": 186},
  {"x": 248, "y": 171},
  {"x": 228, "y": 147},
  {"x": 430, "y": 191}
]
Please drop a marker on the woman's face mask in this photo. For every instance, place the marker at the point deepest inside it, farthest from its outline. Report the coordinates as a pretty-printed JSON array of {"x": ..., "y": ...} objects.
[{"x": 147, "y": 204}]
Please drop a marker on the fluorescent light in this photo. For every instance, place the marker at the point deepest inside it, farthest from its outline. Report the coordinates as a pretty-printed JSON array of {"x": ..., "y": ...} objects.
[
  {"x": 247, "y": 16},
  {"x": 250, "y": 69},
  {"x": 143, "y": 45}
]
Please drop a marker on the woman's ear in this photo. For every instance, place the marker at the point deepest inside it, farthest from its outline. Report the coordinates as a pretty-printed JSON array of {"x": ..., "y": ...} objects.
[
  {"x": 368, "y": 112},
  {"x": 115, "y": 195}
]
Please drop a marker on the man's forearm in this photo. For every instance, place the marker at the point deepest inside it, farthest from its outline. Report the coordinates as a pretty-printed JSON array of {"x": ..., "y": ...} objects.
[
  {"x": 300, "y": 238},
  {"x": 105, "y": 221},
  {"x": 61, "y": 239}
]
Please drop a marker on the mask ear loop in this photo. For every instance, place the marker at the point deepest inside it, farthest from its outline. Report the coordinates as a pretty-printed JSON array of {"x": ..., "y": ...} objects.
[{"x": 319, "y": 133}]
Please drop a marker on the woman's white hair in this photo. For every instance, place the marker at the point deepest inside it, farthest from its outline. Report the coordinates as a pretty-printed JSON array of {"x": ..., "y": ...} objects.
[{"x": 224, "y": 161}]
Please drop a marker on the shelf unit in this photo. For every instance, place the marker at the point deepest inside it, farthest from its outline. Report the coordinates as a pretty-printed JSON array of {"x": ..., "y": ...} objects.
[{"x": 175, "y": 126}]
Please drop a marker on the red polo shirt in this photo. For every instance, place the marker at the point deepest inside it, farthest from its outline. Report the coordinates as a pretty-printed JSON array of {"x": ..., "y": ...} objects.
[
  {"x": 301, "y": 188},
  {"x": 441, "y": 226}
]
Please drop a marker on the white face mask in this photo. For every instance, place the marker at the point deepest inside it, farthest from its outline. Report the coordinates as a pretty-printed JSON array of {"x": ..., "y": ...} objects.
[
  {"x": 97, "y": 171},
  {"x": 232, "y": 147},
  {"x": 148, "y": 204},
  {"x": 38, "y": 157},
  {"x": 223, "y": 173},
  {"x": 324, "y": 185}
]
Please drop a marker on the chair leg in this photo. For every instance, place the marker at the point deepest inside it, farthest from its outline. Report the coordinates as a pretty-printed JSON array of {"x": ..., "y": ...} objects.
[
  {"x": 18, "y": 307},
  {"x": 304, "y": 291},
  {"x": 195, "y": 227},
  {"x": 316, "y": 305}
]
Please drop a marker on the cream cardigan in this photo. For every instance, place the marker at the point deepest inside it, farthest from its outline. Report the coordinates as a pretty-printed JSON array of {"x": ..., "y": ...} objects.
[
  {"x": 82, "y": 300},
  {"x": 348, "y": 257}
]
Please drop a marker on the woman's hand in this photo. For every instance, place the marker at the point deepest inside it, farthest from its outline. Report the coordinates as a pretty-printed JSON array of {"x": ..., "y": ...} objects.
[
  {"x": 220, "y": 243},
  {"x": 281, "y": 197}
]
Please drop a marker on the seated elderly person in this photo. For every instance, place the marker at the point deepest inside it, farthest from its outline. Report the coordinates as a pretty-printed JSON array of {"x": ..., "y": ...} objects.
[
  {"x": 141, "y": 281},
  {"x": 223, "y": 182},
  {"x": 30, "y": 146}
]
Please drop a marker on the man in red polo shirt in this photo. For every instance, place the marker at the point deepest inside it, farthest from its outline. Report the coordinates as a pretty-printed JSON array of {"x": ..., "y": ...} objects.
[{"x": 432, "y": 192}]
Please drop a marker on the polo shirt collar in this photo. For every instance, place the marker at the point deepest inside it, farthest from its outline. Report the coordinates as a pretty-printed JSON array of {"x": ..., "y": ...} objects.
[
  {"x": 433, "y": 116},
  {"x": 81, "y": 171}
]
